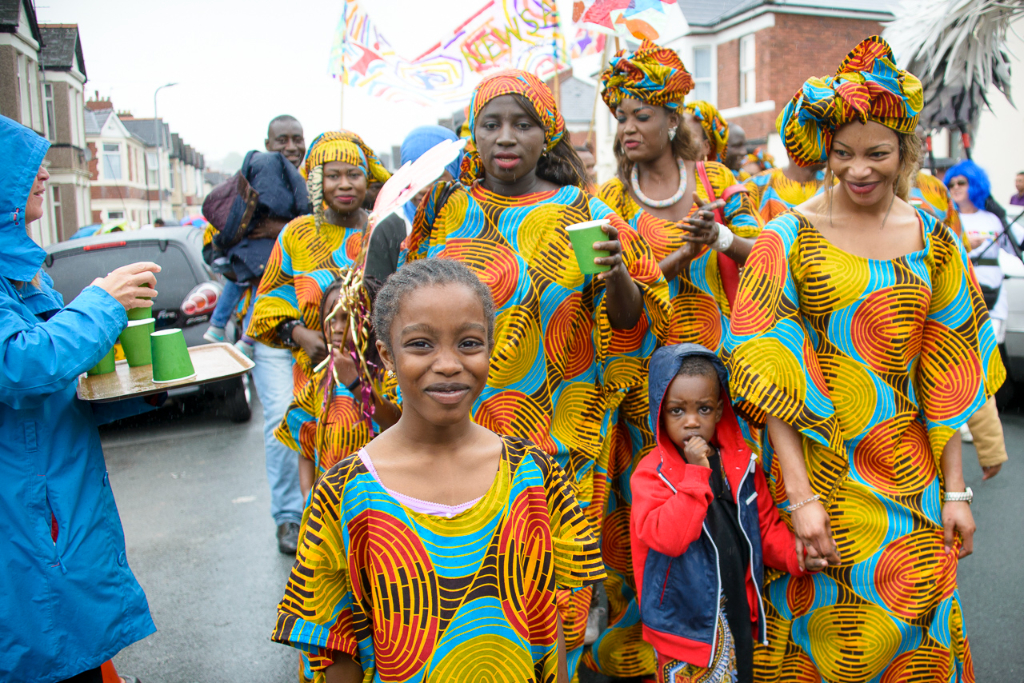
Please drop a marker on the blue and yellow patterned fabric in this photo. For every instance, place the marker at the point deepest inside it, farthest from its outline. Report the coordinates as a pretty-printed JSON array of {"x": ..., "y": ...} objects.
[
  {"x": 701, "y": 316},
  {"x": 774, "y": 194},
  {"x": 876, "y": 363},
  {"x": 378, "y": 581},
  {"x": 301, "y": 266}
]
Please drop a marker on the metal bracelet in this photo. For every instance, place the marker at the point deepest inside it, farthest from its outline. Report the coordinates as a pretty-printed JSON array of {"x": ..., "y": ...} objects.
[{"x": 793, "y": 507}]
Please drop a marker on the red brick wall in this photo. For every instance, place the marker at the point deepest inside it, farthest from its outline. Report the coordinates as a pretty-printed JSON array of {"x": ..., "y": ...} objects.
[
  {"x": 729, "y": 74},
  {"x": 94, "y": 162},
  {"x": 787, "y": 54},
  {"x": 119, "y": 192}
]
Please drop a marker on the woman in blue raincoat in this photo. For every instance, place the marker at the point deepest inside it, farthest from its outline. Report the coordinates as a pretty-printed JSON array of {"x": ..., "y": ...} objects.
[{"x": 68, "y": 601}]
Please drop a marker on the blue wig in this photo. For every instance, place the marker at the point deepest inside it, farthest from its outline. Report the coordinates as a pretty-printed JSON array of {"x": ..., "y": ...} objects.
[{"x": 978, "y": 186}]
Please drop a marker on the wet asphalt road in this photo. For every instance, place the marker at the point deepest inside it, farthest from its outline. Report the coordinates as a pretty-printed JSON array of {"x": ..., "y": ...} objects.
[{"x": 191, "y": 489}]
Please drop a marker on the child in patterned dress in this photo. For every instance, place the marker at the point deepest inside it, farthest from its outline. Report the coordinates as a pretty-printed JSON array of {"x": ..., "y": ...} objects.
[
  {"x": 437, "y": 549},
  {"x": 702, "y": 522}
]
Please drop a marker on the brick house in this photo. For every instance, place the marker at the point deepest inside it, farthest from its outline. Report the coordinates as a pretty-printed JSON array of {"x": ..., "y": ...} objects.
[
  {"x": 63, "y": 81},
  {"x": 749, "y": 57},
  {"x": 117, "y": 168},
  {"x": 156, "y": 135},
  {"x": 21, "y": 92}
]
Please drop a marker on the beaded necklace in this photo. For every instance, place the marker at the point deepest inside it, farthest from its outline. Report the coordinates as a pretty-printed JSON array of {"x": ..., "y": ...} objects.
[{"x": 634, "y": 180}]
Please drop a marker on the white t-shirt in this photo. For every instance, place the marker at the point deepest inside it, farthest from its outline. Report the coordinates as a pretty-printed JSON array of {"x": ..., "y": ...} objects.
[{"x": 988, "y": 225}]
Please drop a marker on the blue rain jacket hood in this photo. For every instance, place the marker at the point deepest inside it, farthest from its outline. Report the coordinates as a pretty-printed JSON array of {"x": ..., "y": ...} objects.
[
  {"x": 68, "y": 601},
  {"x": 22, "y": 151}
]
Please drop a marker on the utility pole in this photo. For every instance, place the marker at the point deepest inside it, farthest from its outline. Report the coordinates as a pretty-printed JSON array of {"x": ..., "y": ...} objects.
[{"x": 157, "y": 137}]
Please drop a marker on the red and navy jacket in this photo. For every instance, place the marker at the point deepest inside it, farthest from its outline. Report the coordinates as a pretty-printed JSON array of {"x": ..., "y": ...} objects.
[{"x": 675, "y": 562}]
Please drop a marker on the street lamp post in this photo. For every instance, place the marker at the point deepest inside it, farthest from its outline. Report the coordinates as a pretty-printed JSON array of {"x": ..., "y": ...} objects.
[{"x": 156, "y": 136}]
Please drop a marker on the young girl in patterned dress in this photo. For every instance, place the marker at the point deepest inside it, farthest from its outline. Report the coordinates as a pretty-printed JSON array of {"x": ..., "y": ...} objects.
[{"x": 437, "y": 550}]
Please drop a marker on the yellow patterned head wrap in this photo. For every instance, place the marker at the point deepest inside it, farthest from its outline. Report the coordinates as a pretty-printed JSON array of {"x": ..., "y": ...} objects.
[
  {"x": 652, "y": 74},
  {"x": 715, "y": 128},
  {"x": 346, "y": 146},
  {"x": 867, "y": 87}
]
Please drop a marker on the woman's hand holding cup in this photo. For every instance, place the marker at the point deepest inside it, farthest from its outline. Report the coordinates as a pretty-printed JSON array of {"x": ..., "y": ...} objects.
[{"x": 133, "y": 285}]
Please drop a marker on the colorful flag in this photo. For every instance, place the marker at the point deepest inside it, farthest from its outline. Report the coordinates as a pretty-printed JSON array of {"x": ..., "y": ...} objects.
[
  {"x": 586, "y": 43},
  {"x": 651, "y": 19},
  {"x": 522, "y": 34}
]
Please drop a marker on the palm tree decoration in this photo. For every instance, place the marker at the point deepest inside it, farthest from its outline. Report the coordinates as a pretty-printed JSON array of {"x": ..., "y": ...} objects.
[{"x": 958, "y": 50}]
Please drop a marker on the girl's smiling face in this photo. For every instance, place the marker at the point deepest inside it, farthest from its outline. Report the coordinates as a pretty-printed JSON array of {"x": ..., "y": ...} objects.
[
  {"x": 335, "y": 328},
  {"x": 441, "y": 353}
]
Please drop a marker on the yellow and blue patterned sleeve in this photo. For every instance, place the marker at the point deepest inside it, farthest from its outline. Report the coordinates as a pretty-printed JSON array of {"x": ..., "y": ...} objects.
[
  {"x": 317, "y": 614},
  {"x": 625, "y": 351},
  {"x": 741, "y": 212},
  {"x": 297, "y": 430},
  {"x": 960, "y": 366},
  {"x": 276, "y": 300},
  {"x": 576, "y": 552}
]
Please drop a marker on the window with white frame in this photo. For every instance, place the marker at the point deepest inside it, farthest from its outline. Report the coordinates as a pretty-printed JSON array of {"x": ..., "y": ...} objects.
[
  {"x": 115, "y": 215},
  {"x": 702, "y": 81},
  {"x": 151, "y": 168},
  {"x": 58, "y": 218},
  {"x": 111, "y": 161},
  {"x": 748, "y": 83},
  {"x": 51, "y": 122}
]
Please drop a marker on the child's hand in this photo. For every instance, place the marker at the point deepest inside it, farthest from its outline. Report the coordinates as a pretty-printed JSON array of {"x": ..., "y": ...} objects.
[
  {"x": 696, "y": 451},
  {"x": 807, "y": 557}
]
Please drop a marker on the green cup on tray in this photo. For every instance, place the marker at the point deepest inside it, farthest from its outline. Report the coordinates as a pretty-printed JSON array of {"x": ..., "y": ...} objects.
[
  {"x": 135, "y": 342},
  {"x": 141, "y": 313},
  {"x": 583, "y": 236},
  {"x": 106, "y": 365},
  {"x": 171, "y": 361}
]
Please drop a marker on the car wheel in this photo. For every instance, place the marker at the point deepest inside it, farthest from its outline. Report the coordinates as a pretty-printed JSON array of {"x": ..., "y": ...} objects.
[{"x": 237, "y": 404}]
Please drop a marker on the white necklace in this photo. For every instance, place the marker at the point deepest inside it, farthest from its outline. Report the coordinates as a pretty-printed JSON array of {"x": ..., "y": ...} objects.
[{"x": 634, "y": 180}]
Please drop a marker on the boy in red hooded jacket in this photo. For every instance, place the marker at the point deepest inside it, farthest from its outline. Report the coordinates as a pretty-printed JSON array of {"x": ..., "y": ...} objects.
[{"x": 703, "y": 525}]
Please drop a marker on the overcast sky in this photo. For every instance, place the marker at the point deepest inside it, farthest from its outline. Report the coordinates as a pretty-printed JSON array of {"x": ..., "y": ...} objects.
[{"x": 240, "y": 63}]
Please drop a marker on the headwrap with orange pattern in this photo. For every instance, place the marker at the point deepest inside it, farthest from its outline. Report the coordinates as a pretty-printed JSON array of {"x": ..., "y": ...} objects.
[
  {"x": 716, "y": 130},
  {"x": 652, "y": 74},
  {"x": 346, "y": 146},
  {"x": 868, "y": 86},
  {"x": 511, "y": 82}
]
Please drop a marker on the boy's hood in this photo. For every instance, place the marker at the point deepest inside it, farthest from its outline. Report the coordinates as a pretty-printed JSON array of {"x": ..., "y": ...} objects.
[
  {"x": 664, "y": 365},
  {"x": 22, "y": 152}
]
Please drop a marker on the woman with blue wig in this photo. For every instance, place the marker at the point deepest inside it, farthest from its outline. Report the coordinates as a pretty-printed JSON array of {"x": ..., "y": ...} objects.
[
  {"x": 969, "y": 188},
  {"x": 387, "y": 238}
]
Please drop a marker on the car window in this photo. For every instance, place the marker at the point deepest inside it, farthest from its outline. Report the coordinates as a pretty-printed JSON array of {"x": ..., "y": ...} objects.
[{"x": 74, "y": 270}]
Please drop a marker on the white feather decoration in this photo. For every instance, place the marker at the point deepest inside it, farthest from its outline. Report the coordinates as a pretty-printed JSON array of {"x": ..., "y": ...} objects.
[{"x": 958, "y": 50}]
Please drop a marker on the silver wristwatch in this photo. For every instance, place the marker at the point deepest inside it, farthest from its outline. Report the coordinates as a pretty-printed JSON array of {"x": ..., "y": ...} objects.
[{"x": 965, "y": 497}]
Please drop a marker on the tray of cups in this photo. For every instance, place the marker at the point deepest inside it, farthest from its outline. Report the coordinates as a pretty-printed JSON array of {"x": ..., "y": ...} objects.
[{"x": 156, "y": 361}]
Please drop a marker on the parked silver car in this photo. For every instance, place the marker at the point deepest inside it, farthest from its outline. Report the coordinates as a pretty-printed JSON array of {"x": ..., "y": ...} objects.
[{"x": 188, "y": 291}]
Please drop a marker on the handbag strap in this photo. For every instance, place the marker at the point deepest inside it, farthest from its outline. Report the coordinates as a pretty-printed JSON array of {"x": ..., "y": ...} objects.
[{"x": 727, "y": 268}]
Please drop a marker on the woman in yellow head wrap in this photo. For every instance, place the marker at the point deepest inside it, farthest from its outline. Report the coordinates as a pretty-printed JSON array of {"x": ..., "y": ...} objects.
[
  {"x": 311, "y": 250},
  {"x": 667, "y": 193},
  {"x": 861, "y": 341}
]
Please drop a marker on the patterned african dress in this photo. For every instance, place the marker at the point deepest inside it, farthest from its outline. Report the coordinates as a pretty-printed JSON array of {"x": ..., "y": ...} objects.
[
  {"x": 701, "y": 315},
  {"x": 774, "y": 194},
  {"x": 558, "y": 367},
  {"x": 876, "y": 363},
  {"x": 325, "y": 429},
  {"x": 931, "y": 191},
  {"x": 378, "y": 580},
  {"x": 301, "y": 266}
]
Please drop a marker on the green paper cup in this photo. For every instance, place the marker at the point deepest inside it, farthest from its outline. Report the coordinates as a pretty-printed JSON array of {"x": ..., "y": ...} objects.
[
  {"x": 171, "y": 361},
  {"x": 141, "y": 313},
  {"x": 135, "y": 342},
  {"x": 106, "y": 365},
  {"x": 583, "y": 236}
]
